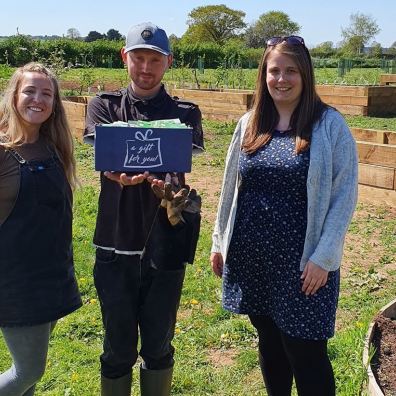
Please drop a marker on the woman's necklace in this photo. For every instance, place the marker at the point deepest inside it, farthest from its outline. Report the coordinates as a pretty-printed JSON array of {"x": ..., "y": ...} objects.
[{"x": 284, "y": 131}]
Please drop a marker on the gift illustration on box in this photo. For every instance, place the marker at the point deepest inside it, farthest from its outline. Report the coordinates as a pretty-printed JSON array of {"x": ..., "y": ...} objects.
[
  {"x": 139, "y": 146},
  {"x": 143, "y": 151}
]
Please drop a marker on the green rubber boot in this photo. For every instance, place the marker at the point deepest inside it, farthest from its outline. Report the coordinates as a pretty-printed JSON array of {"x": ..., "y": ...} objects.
[
  {"x": 116, "y": 387},
  {"x": 155, "y": 382}
]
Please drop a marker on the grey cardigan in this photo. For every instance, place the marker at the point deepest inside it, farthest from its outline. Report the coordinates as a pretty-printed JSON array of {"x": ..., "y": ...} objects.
[{"x": 331, "y": 190}]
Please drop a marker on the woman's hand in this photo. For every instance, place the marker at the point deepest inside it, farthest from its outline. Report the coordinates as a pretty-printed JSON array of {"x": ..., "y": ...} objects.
[
  {"x": 314, "y": 278},
  {"x": 216, "y": 260}
]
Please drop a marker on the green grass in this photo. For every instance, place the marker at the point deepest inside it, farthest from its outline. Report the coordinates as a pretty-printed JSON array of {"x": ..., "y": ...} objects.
[
  {"x": 211, "y": 78},
  {"x": 216, "y": 350},
  {"x": 78, "y": 80},
  {"x": 372, "y": 122}
]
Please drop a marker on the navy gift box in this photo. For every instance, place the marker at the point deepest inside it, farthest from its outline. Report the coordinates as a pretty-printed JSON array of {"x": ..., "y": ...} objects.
[{"x": 138, "y": 149}]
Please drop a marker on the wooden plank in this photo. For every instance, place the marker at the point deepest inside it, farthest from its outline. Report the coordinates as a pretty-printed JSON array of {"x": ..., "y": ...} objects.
[
  {"x": 341, "y": 90},
  {"x": 377, "y": 176},
  {"x": 386, "y": 79},
  {"x": 353, "y": 100},
  {"x": 77, "y": 99},
  {"x": 382, "y": 110},
  {"x": 75, "y": 109},
  {"x": 78, "y": 133},
  {"x": 388, "y": 92},
  {"x": 377, "y": 154},
  {"x": 325, "y": 89},
  {"x": 228, "y": 97},
  {"x": 381, "y": 101},
  {"x": 221, "y": 117},
  {"x": 370, "y": 195},
  {"x": 351, "y": 90},
  {"x": 212, "y": 110},
  {"x": 374, "y": 135},
  {"x": 359, "y": 100},
  {"x": 370, "y": 135},
  {"x": 351, "y": 110},
  {"x": 77, "y": 123},
  {"x": 391, "y": 137},
  {"x": 220, "y": 105},
  {"x": 248, "y": 91},
  {"x": 345, "y": 100}
]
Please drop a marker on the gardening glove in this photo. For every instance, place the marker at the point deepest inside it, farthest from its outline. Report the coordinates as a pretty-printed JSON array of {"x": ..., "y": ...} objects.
[
  {"x": 195, "y": 201},
  {"x": 176, "y": 202},
  {"x": 173, "y": 239}
]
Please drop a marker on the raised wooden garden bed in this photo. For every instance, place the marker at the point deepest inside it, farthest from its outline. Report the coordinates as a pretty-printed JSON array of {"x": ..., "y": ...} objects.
[
  {"x": 376, "y": 149},
  {"x": 387, "y": 79},
  {"x": 377, "y": 157},
  {"x": 76, "y": 111},
  {"x": 220, "y": 105},
  {"x": 230, "y": 105},
  {"x": 373, "y": 388},
  {"x": 360, "y": 100},
  {"x": 353, "y": 100}
]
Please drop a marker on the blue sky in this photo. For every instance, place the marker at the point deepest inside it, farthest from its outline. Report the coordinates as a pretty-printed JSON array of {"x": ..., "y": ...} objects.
[{"x": 320, "y": 20}]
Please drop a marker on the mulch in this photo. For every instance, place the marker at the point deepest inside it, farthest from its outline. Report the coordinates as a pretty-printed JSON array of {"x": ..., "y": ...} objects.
[{"x": 383, "y": 363}]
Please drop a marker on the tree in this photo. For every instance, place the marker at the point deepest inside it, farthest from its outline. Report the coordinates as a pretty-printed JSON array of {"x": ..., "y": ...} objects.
[
  {"x": 323, "y": 50},
  {"x": 375, "y": 50},
  {"x": 213, "y": 23},
  {"x": 113, "y": 34},
  {"x": 272, "y": 23},
  {"x": 173, "y": 40},
  {"x": 361, "y": 30},
  {"x": 392, "y": 50},
  {"x": 18, "y": 50},
  {"x": 93, "y": 35},
  {"x": 73, "y": 34}
]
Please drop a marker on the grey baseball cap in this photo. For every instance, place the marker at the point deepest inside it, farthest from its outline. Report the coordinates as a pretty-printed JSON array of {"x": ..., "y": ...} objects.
[{"x": 149, "y": 36}]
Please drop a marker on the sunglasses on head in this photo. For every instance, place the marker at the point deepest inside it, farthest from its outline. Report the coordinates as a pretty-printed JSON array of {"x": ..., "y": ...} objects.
[{"x": 291, "y": 40}]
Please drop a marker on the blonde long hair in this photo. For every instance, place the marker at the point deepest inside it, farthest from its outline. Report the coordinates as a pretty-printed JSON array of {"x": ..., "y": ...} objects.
[{"x": 55, "y": 129}]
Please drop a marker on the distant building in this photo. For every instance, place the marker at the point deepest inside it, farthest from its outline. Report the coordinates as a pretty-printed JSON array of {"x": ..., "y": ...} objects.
[{"x": 390, "y": 51}]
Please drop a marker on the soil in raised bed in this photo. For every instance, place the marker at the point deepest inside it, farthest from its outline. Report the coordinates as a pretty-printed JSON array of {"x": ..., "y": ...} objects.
[{"x": 383, "y": 363}]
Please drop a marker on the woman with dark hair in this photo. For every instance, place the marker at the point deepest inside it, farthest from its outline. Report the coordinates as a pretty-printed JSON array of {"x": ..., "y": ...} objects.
[
  {"x": 37, "y": 173},
  {"x": 288, "y": 195}
]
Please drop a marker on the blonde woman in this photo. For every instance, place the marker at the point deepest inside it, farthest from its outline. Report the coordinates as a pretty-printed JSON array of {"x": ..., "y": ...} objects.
[{"x": 37, "y": 174}]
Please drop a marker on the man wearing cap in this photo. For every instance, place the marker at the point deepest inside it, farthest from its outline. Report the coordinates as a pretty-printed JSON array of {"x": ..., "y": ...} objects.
[{"x": 139, "y": 277}]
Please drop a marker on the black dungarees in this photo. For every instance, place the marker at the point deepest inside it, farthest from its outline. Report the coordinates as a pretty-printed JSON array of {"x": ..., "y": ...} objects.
[{"x": 37, "y": 281}]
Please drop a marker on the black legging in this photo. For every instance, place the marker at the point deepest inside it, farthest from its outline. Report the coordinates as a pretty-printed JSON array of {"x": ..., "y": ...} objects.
[{"x": 282, "y": 357}]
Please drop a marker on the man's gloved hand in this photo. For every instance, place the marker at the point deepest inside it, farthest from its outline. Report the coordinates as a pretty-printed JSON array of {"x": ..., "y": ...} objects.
[
  {"x": 195, "y": 201},
  {"x": 175, "y": 203}
]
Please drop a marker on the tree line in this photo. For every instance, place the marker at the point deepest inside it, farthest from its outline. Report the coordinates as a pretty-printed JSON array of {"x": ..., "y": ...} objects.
[{"x": 217, "y": 36}]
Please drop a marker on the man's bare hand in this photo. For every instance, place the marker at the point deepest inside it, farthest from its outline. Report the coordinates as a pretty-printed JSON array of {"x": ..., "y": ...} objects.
[{"x": 124, "y": 180}]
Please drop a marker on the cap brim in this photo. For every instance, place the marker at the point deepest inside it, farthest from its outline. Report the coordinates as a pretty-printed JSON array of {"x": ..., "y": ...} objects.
[{"x": 147, "y": 46}]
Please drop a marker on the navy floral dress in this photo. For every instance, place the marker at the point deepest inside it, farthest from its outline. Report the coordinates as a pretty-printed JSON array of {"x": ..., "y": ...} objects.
[{"x": 262, "y": 270}]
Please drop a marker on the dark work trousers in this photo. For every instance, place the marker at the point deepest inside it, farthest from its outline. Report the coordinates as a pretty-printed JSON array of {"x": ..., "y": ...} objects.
[
  {"x": 136, "y": 299},
  {"x": 282, "y": 357}
]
